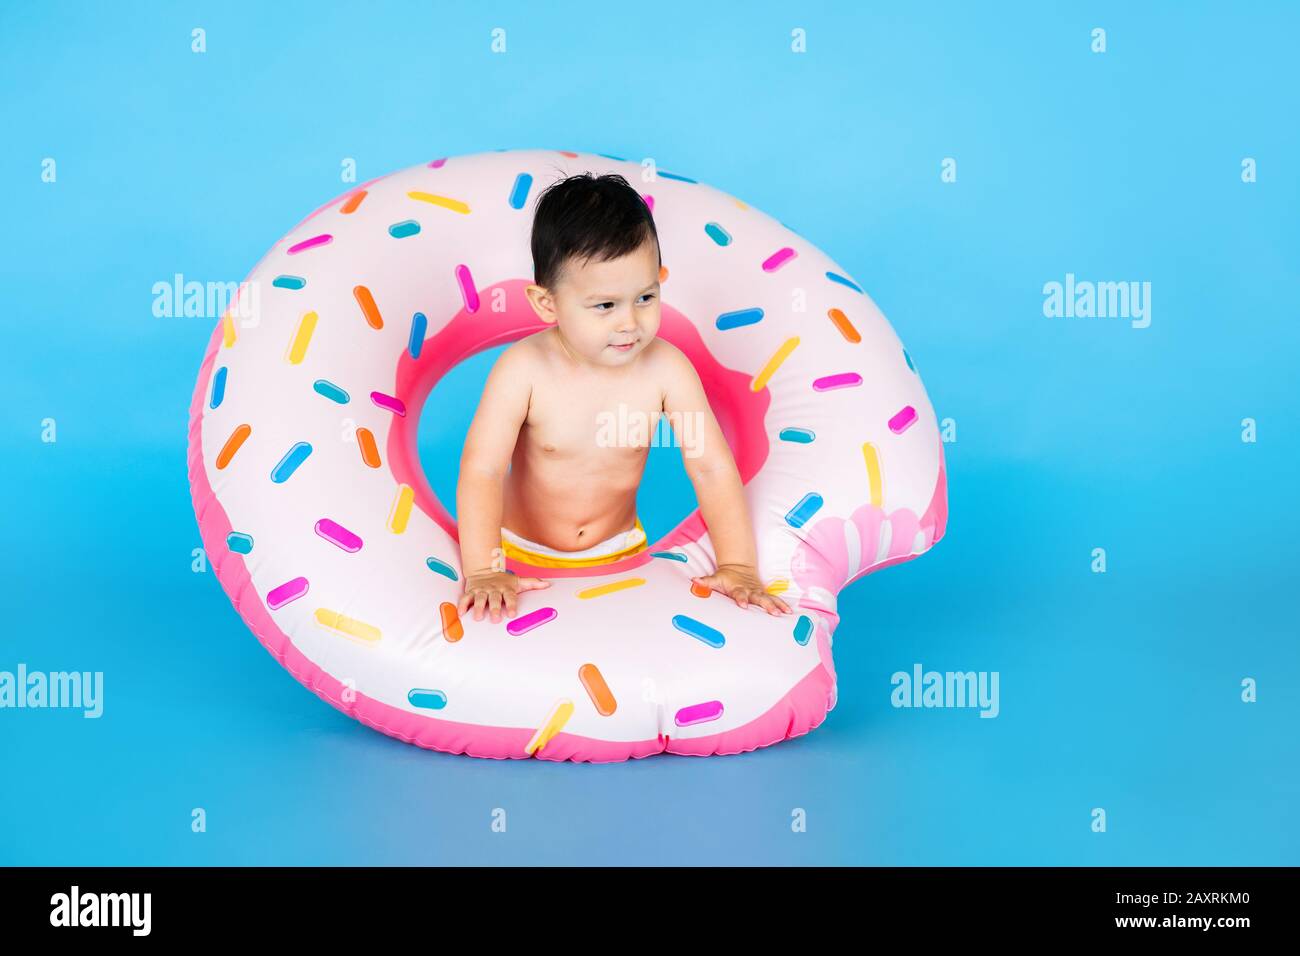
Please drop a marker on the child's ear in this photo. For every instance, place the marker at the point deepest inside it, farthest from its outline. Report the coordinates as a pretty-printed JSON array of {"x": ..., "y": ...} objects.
[{"x": 542, "y": 302}]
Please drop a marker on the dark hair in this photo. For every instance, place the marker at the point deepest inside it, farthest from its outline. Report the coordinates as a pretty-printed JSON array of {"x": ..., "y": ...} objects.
[{"x": 587, "y": 217}]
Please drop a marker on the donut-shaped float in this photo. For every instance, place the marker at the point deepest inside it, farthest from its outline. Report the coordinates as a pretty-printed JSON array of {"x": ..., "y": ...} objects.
[{"x": 323, "y": 530}]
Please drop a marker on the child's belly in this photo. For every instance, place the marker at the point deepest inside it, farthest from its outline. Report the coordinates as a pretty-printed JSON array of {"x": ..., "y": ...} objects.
[{"x": 571, "y": 504}]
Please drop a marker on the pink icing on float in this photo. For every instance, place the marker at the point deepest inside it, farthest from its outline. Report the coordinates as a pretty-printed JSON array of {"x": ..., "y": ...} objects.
[{"x": 324, "y": 532}]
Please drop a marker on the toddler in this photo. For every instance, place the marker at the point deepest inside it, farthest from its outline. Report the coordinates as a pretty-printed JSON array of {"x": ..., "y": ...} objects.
[{"x": 540, "y": 478}]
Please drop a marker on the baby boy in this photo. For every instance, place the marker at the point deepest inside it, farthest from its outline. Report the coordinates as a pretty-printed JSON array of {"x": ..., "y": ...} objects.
[{"x": 540, "y": 478}]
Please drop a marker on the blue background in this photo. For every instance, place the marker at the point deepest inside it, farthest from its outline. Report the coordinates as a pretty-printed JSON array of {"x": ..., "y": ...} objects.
[{"x": 1118, "y": 690}]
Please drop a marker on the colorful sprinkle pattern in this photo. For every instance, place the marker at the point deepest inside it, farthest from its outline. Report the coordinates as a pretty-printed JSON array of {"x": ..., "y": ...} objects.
[{"x": 829, "y": 355}]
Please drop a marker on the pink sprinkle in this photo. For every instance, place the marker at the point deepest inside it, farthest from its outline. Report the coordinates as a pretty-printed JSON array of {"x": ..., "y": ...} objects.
[
  {"x": 699, "y": 713},
  {"x": 842, "y": 380},
  {"x": 336, "y": 534},
  {"x": 467, "y": 290},
  {"x": 522, "y": 625},
  {"x": 903, "y": 420},
  {"x": 310, "y": 243},
  {"x": 777, "y": 259},
  {"x": 389, "y": 402},
  {"x": 287, "y": 592},
  {"x": 650, "y": 201},
  {"x": 437, "y": 163}
]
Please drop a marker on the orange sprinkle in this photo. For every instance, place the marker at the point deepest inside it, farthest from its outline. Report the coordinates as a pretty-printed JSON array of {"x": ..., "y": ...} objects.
[
  {"x": 597, "y": 689},
  {"x": 565, "y": 152},
  {"x": 232, "y": 444},
  {"x": 368, "y": 307},
  {"x": 663, "y": 273},
  {"x": 353, "y": 202},
  {"x": 700, "y": 590},
  {"x": 451, "y": 627},
  {"x": 844, "y": 325},
  {"x": 369, "y": 451}
]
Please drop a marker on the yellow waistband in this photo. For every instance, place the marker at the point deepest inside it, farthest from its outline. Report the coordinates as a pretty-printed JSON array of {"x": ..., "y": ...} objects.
[{"x": 551, "y": 561}]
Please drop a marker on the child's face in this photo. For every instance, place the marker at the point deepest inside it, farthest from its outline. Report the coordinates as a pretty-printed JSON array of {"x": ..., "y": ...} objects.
[{"x": 606, "y": 312}]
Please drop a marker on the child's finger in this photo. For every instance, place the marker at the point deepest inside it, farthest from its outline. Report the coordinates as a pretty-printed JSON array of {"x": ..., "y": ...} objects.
[{"x": 532, "y": 584}]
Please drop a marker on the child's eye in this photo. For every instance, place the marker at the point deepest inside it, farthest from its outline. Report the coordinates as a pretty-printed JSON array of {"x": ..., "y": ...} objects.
[
  {"x": 600, "y": 306},
  {"x": 648, "y": 295}
]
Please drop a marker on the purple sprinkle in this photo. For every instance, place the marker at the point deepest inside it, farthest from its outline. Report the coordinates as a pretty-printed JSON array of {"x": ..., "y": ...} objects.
[
  {"x": 286, "y": 593},
  {"x": 842, "y": 380},
  {"x": 437, "y": 163},
  {"x": 777, "y": 259},
  {"x": 522, "y": 625},
  {"x": 699, "y": 713},
  {"x": 336, "y": 534},
  {"x": 389, "y": 402},
  {"x": 310, "y": 243},
  {"x": 903, "y": 420}
]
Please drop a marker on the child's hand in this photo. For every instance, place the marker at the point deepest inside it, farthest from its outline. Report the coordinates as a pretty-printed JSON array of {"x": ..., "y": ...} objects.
[
  {"x": 495, "y": 589},
  {"x": 740, "y": 583}
]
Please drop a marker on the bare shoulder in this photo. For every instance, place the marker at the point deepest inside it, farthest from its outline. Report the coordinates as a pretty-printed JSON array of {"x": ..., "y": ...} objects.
[
  {"x": 668, "y": 363},
  {"x": 671, "y": 367},
  {"x": 520, "y": 361}
]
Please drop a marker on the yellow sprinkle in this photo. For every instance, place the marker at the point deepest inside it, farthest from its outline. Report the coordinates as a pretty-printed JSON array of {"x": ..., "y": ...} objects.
[
  {"x": 602, "y": 589},
  {"x": 301, "y": 339},
  {"x": 555, "y": 722},
  {"x": 875, "y": 481},
  {"x": 455, "y": 205},
  {"x": 779, "y": 586},
  {"x": 739, "y": 203},
  {"x": 227, "y": 331},
  {"x": 401, "y": 512},
  {"x": 346, "y": 625},
  {"x": 781, "y": 354}
]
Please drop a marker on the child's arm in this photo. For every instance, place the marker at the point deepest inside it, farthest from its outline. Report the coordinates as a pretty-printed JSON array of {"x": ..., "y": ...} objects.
[
  {"x": 712, "y": 470},
  {"x": 488, "y": 448}
]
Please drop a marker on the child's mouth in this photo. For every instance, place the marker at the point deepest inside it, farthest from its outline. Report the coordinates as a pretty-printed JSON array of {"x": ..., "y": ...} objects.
[{"x": 623, "y": 348}]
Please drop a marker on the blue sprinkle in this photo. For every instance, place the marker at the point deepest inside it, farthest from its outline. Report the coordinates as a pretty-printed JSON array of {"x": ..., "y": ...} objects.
[
  {"x": 670, "y": 555},
  {"x": 807, "y": 507},
  {"x": 239, "y": 542},
  {"x": 418, "y": 324},
  {"x": 801, "y": 435},
  {"x": 732, "y": 320},
  {"x": 836, "y": 277},
  {"x": 688, "y": 625},
  {"x": 441, "y": 567},
  {"x": 909, "y": 360},
  {"x": 218, "y": 387},
  {"x": 616, "y": 158},
  {"x": 294, "y": 457},
  {"x": 428, "y": 699},
  {"x": 519, "y": 194},
  {"x": 407, "y": 227},
  {"x": 717, "y": 234},
  {"x": 803, "y": 629},
  {"x": 683, "y": 179},
  {"x": 331, "y": 391},
  {"x": 289, "y": 282}
]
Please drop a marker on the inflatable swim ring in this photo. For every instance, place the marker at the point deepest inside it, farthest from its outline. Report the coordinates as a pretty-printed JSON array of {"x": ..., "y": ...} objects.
[{"x": 320, "y": 524}]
